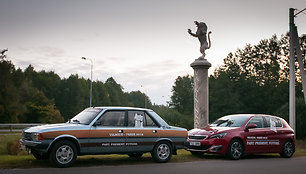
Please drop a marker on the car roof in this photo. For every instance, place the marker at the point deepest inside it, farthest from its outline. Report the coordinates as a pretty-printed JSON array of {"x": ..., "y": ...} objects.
[
  {"x": 253, "y": 115},
  {"x": 121, "y": 108}
]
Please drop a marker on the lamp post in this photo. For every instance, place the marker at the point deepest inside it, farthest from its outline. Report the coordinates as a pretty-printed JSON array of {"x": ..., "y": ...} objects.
[
  {"x": 90, "y": 100},
  {"x": 145, "y": 98}
]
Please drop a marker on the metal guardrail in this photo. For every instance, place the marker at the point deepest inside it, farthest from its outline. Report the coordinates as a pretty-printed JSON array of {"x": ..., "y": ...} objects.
[{"x": 18, "y": 127}]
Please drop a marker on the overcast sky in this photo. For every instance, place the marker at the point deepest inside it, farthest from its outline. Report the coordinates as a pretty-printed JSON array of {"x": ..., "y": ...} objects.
[{"x": 137, "y": 42}]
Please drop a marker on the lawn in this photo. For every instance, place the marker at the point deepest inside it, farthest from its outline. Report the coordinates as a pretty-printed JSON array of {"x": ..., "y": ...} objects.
[{"x": 23, "y": 160}]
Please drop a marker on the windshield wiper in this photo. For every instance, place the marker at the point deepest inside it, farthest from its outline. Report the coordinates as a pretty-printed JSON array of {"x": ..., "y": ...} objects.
[{"x": 76, "y": 121}]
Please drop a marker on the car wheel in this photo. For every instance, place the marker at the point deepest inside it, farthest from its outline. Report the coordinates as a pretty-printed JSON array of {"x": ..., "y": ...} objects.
[
  {"x": 135, "y": 155},
  {"x": 38, "y": 156},
  {"x": 63, "y": 154},
  {"x": 235, "y": 149},
  {"x": 162, "y": 152},
  {"x": 288, "y": 149}
]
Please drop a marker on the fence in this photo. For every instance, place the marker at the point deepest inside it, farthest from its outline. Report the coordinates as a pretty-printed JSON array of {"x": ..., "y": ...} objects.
[{"x": 16, "y": 127}]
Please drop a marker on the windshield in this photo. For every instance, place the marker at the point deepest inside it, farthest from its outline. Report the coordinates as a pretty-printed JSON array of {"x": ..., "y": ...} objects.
[
  {"x": 86, "y": 116},
  {"x": 230, "y": 121}
]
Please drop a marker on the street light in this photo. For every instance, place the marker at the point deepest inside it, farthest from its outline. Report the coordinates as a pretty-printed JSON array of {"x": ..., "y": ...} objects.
[
  {"x": 90, "y": 100},
  {"x": 145, "y": 98}
]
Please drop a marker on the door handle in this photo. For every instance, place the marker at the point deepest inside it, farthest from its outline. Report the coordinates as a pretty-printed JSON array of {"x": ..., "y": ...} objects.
[
  {"x": 120, "y": 131},
  {"x": 154, "y": 131}
]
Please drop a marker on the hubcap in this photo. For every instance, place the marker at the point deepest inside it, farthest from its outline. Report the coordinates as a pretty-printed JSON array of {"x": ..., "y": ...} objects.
[
  {"x": 288, "y": 148},
  {"x": 236, "y": 150},
  {"x": 163, "y": 151},
  {"x": 64, "y": 154}
]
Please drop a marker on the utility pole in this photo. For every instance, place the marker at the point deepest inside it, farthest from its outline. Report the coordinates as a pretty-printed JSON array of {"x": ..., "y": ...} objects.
[
  {"x": 295, "y": 51},
  {"x": 291, "y": 72}
]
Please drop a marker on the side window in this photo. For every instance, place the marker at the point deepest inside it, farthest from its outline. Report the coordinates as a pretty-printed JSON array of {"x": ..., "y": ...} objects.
[
  {"x": 278, "y": 122},
  {"x": 148, "y": 121},
  {"x": 135, "y": 118},
  {"x": 112, "y": 118},
  {"x": 271, "y": 120},
  {"x": 258, "y": 121},
  {"x": 139, "y": 119}
]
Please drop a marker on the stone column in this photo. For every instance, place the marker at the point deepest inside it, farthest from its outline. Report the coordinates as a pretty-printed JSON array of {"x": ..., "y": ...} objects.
[{"x": 201, "y": 105}]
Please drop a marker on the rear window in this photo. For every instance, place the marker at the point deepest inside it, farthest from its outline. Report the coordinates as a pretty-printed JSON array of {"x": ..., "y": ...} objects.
[{"x": 269, "y": 120}]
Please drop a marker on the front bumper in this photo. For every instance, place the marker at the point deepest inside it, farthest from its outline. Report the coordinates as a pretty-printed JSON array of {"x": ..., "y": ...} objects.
[
  {"x": 37, "y": 146},
  {"x": 214, "y": 145}
]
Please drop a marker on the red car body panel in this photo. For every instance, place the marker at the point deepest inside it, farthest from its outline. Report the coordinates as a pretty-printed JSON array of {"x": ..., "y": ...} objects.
[{"x": 256, "y": 140}]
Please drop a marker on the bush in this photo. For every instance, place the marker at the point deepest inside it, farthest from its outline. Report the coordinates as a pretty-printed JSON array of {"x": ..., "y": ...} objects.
[
  {"x": 13, "y": 148},
  {"x": 300, "y": 118},
  {"x": 175, "y": 118}
]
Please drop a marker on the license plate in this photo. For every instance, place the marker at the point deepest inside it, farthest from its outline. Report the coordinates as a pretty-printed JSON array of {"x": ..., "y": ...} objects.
[
  {"x": 192, "y": 143},
  {"x": 22, "y": 147}
]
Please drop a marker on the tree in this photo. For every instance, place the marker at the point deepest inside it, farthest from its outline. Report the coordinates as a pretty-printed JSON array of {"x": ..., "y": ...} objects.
[
  {"x": 255, "y": 79},
  {"x": 175, "y": 118},
  {"x": 41, "y": 110},
  {"x": 138, "y": 99},
  {"x": 74, "y": 96},
  {"x": 182, "y": 94},
  {"x": 9, "y": 100},
  {"x": 115, "y": 92},
  {"x": 101, "y": 97}
]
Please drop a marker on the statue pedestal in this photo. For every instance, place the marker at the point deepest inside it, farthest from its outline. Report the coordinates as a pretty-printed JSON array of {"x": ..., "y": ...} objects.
[{"x": 201, "y": 104}]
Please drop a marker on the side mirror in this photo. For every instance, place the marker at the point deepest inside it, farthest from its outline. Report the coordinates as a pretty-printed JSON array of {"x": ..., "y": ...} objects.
[
  {"x": 250, "y": 126},
  {"x": 97, "y": 123}
]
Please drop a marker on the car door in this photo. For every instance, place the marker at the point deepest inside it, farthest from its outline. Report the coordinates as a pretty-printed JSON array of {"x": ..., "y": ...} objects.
[
  {"x": 107, "y": 134},
  {"x": 142, "y": 132},
  {"x": 256, "y": 139},
  {"x": 272, "y": 126}
]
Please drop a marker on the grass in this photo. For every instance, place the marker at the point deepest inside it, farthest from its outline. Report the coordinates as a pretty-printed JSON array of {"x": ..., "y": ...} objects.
[
  {"x": 6, "y": 140},
  {"x": 22, "y": 160}
]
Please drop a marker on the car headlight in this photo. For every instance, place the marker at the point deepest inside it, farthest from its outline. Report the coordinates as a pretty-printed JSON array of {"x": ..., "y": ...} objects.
[
  {"x": 36, "y": 136},
  {"x": 221, "y": 135}
]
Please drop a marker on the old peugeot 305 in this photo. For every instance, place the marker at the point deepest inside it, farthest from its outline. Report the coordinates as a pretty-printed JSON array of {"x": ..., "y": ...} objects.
[
  {"x": 235, "y": 135},
  {"x": 105, "y": 130}
]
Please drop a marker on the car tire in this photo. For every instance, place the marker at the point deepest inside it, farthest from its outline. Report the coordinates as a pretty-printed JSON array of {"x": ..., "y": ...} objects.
[
  {"x": 162, "y": 152},
  {"x": 235, "y": 149},
  {"x": 288, "y": 149},
  {"x": 135, "y": 155},
  {"x": 39, "y": 156},
  {"x": 63, "y": 154}
]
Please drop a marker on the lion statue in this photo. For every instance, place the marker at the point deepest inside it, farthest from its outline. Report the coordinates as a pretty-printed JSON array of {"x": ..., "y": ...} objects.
[{"x": 201, "y": 35}]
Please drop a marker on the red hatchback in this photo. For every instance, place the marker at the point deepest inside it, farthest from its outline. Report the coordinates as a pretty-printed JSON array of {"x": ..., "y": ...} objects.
[{"x": 236, "y": 135}]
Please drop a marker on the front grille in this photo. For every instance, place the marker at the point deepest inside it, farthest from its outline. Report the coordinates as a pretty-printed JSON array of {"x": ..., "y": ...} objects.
[
  {"x": 202, "y": 147},
  {"x": 197, "y": 137},
  {"x": 27, "y": 136}
]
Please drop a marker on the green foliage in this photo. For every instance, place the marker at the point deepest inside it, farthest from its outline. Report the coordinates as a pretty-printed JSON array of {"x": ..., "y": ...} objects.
[
  {"x": 175, "y": 118},
  {"x": 283, "y": 111},
  {"x": 182, "y": 94},
  {"x": 138, "y": 99},
  {"x": 41, "y": 110},
  {"x": 43, "y": 97}
]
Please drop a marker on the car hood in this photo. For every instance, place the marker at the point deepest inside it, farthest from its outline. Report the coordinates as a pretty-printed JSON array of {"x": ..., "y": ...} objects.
[
  {"x": 210, "y": 130},
  {"x": 56, "y": 127}
]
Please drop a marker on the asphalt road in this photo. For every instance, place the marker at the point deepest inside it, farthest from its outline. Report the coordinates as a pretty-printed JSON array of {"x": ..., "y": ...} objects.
[{"x": 245, "y": 166}]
